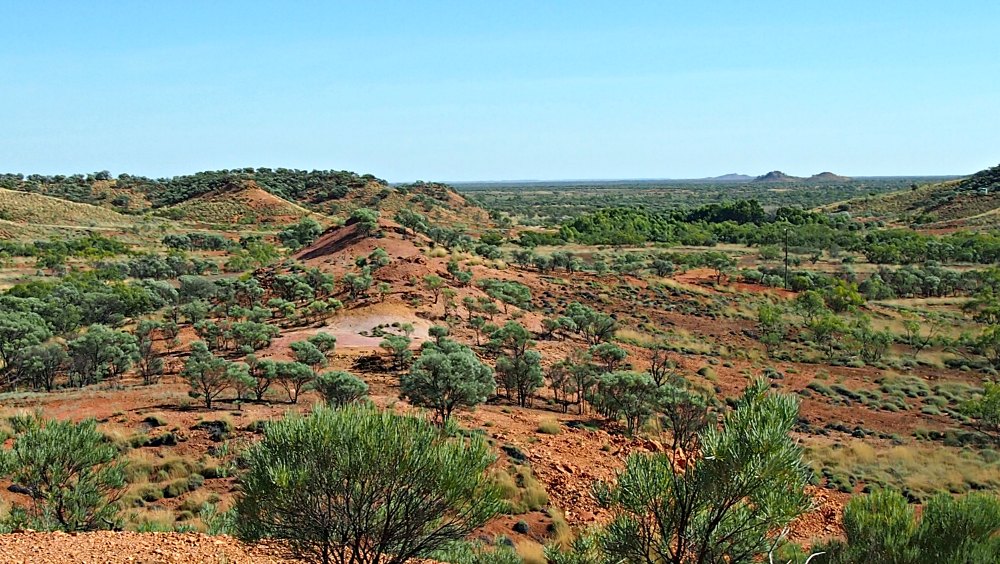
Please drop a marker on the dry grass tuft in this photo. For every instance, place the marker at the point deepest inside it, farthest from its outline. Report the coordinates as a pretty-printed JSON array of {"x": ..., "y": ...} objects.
[
  {"x": 549, "y": 427},
  {"x": 531, "y": 552},
  {"x": 917, "y": 470},
  {"x": 521, "y": 490}
]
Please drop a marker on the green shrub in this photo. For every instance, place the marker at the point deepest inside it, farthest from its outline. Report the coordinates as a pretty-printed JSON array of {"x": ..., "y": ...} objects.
[
  {"x": 340, "y": 388},
  {"x": 321, "y": 483},
  {"x": 748, "y": 485},
  {"x": 883, "y": 527},
  {"x": 73, "y": 468}
]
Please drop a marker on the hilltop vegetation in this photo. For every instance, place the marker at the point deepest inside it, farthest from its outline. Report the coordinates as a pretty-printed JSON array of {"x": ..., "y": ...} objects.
[
  {"x": 971, "y": 202},
  {"x": 101, "y": 188},
  {"x": 247, "y": 195}
]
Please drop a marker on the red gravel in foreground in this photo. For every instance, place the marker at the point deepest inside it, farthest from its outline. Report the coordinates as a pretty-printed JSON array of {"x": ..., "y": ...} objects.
[{"x": 131, "y": 548}]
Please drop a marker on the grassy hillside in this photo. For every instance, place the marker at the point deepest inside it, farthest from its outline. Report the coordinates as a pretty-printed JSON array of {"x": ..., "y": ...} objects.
[
  {"x": 247, "y": 204},
  {"x": 36, "y": 209},
  {"x": 972, "y": 202}
]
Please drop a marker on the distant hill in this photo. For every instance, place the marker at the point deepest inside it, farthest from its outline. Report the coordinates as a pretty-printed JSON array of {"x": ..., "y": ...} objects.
[
  {"x": 731, "y": 177},
  {"x": 777, "y": 176},
  {"x": 829, "y": 177},
  {"x": 971, "y": 202}
]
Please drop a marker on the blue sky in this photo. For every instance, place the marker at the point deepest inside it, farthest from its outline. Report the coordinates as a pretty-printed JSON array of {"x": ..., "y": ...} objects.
[{"x": 501, "y": 90}]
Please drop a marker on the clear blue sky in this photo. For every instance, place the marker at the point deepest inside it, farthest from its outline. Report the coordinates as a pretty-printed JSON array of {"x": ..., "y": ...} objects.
[{"x": 480, "y": 90}]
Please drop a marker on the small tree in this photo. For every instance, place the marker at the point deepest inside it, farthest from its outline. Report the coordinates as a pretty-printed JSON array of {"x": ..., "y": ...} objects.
[
  {"x": 263, "y": 372},
  {"x": 824, "y": 329},
  {"x": 721, "y": 263},
  {"x": 301, "y": 234},
  {"x": 19, "y": 330},
  {"x": 561, "y": 383},
  {"x": 610, "y": 354},
  {"x": 522, "y": 374},
  {"x": 340, "y": 388},
  {"x": 724, "y": 507},
  {"x": 39, "y": 365},
  {"x": 359, "y": 486},
  {"x": 399, "y": 347},
  {"x": 914, "y": 335},
  {"x": 206, "y": 374},
  {"x": 685, "y": 412},
  {"x": 358, "y": 284},
  {"x": 594, "y": 325},
  {"x": 150, "y": 362},
  {"x": 584, "y": 377},
  {"x": 324, "y": 342},
  {"x": 447, "y": 376},
  {"x": 308, "y": 354},
  {"x": 438, "y": 332},
  {"x": 294, "y": 377},
  {"x": 240, "y": 380},
  {"x": 411, "y": 220},
  {"x": 871, "y": 344},
  {"x": 810, "y": 305},
  {"x": 984, "y": 410},
  {"x": 772, "y": 326},
  {"x": 252, "y": 336},
  {"x": 509, "y": 293},
  {"x": 72, "y": 474},
  {"x": 434, "y": 284},
  {"x": 102, "y": 352},
  {"x": 366, "y": 221},
  {"x": 843, "y": 296},
  {"x": 631, "y": 396},
  {"x": 660, "y": 365}
]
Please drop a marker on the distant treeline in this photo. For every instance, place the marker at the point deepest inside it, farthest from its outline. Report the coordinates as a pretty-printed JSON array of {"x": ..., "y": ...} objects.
[
  {"x": 746, "y": 222},
  {"x": 551, "y": 203}
]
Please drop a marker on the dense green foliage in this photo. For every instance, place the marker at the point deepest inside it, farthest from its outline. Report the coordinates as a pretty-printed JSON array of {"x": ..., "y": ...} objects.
[
  {"x": 208, "y": 375},
  {"x": 748, "y": 483},
  {"x": 447, "y": 376},
  {"x": 71, "y": 472},
  {"x": 339, "y": 388},
  {"x": 362, "y": 486},
  {"x": 883, "y": 527}
]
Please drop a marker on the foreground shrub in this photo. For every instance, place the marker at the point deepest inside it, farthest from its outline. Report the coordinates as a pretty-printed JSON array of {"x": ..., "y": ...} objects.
[
  {"x": 70, "y": 471},
  {"x": 726, "y": 506},
  {"x": 360, "y": 486},
  {"x": 883, "y": 527}
]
